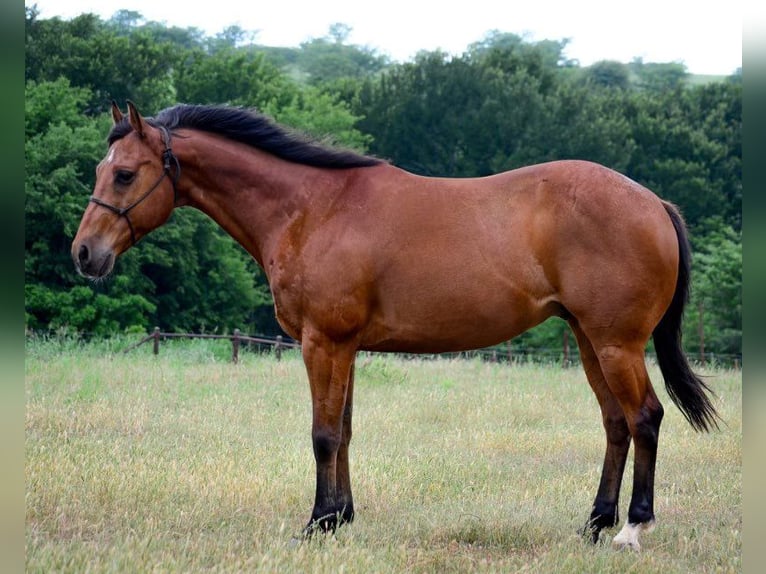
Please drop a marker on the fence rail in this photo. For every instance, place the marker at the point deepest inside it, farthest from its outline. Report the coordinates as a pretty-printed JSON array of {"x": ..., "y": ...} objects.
[
  {"x": 501, "y": 353},
  {"x": 237, "y": 338}
]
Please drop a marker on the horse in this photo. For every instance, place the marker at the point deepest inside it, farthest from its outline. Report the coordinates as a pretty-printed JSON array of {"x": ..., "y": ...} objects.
[{"x": 362, "y": 255}]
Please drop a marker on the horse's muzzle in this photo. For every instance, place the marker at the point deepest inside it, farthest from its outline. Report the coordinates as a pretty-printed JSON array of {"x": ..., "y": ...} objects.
[{"x": 91, "y": 261}]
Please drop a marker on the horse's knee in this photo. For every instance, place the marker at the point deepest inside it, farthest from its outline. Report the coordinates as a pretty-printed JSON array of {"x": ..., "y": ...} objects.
[
  {"x": 326, "y": 444},
  {"x": 616, "y": 428}
]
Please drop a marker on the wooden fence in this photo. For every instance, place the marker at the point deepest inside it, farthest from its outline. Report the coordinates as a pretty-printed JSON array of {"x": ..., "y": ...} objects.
[
  {"x": 565, "y": 356},
  {"x": 278, "y": 343},
  {"x": 501, "y": 353}
]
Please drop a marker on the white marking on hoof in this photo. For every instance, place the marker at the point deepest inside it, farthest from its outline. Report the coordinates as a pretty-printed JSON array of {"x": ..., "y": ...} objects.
[{"x": 628, "y": 536}]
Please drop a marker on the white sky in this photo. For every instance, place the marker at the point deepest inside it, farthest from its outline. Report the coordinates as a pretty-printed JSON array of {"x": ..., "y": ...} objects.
[{"x": 704, "y": 35}]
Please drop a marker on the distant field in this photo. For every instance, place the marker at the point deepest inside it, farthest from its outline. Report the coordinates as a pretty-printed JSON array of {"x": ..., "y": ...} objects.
[
  {"x": 187, "y": 463},
  {"x": 702, "y": 79}
]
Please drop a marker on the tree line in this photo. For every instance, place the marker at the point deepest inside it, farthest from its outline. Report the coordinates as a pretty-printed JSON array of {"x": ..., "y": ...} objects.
[{"x": 504, "y": 103}]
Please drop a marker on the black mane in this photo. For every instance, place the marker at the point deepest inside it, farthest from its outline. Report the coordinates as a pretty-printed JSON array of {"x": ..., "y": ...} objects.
[{"x": 254, "y": 129}]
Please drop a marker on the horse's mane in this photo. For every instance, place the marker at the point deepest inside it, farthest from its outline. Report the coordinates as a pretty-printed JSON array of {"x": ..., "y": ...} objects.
[{"x": 254, "y": 129}]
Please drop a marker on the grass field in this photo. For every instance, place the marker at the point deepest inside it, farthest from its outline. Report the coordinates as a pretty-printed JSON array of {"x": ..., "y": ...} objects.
[{"x": 187, "y": 463}]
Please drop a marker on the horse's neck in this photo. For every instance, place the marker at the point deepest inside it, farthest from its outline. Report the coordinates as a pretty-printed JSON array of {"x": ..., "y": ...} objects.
[{"x": 252, "y": 195}]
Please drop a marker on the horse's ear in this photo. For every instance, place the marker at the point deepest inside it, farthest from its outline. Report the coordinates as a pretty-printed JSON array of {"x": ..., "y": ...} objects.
[
  {"x": 135, "y": 119},
  {"x": 116, "y": 113}
]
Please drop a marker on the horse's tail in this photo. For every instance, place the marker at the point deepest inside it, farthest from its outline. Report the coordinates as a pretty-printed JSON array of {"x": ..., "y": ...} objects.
[{"x": 685, "y": 388}]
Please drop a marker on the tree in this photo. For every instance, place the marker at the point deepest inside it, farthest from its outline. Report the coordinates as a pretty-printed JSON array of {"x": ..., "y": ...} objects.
[
  {"x": 196, "y": 276},
  {"x": 687, "y": 153},
  {"x": 714, "y": 319},
  {"x": 323, "y": 115},
  {"x": 503, "y": 105},
  {"x": 90, "y": 54},
  {"x": 657, "y": 77},
  {"x": 717, "y": 109},
  {"x": 327, "y": 59},
  {"x": 125, "y": 21},
  {"x": 426, "y": 115},
  {"x": 61, "y": 148},
  {"x": 229, "y": 76},
  {"x": 608, "y": 74},
  {"x": 233, "y": 36},
  {"x": 339, "y": 32}
]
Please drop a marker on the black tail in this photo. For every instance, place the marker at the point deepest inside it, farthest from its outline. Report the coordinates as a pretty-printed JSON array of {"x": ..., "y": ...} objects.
[{"x": 685, "y": 388}]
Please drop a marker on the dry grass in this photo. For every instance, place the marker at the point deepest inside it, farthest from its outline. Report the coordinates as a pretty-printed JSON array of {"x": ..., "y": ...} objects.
[{"x": 187, "y": 463}]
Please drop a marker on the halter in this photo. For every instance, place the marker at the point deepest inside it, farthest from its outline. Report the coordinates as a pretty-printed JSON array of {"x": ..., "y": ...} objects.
[{"x": 169, "y": 160}]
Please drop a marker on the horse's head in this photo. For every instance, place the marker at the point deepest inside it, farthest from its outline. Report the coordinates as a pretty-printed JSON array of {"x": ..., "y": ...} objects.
[{"x": 134, "y": 193}]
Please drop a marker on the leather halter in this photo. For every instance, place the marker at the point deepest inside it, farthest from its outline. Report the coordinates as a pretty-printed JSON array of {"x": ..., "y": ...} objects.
[{"x": 169, "y": 161}]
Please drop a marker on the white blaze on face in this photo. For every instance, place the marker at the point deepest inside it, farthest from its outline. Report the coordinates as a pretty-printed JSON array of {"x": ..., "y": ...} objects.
[{"x": 110, "y": 157}]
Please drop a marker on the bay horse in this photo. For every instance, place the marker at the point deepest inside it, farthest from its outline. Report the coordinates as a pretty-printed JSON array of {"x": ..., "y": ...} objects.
[{"x": 361, "y": 255}]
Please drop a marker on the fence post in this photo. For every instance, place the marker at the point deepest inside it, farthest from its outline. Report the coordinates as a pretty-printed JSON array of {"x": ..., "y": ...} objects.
[
  {"x": 235, "y": 347},
  {"x": 278, "y": 348},
  {"x": 156, "y": 336},
  {"x": 565, "y": 362}
]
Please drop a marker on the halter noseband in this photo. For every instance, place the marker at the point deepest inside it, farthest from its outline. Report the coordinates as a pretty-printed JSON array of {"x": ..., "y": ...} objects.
[{"x": 169, "y": 161}]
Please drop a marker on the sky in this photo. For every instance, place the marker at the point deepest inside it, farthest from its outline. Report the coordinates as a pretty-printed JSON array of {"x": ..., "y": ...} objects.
[{"x": 705, "y": 36}]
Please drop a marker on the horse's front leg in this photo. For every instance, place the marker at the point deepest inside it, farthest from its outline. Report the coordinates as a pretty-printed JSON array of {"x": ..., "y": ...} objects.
[
  {"x": 330, "y": 371},
  {"x": 343, "y": 477}
]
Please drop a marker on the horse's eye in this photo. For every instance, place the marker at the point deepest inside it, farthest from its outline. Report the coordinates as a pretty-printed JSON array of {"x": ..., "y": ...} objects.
[{"x": 124, "y": 177}]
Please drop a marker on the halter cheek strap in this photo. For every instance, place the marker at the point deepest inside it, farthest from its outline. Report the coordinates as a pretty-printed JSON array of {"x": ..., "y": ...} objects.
[{"x": 169, "y": 161}]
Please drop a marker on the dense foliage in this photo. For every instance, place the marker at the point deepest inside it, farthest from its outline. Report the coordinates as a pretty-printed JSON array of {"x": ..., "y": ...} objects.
[{"x": 504, "y": 103}]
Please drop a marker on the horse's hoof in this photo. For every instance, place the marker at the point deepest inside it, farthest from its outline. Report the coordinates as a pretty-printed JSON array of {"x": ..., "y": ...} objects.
[
  {"x": 625, "y": 544},
  {"x": 627, "y": 538},
  {"x": 589, "y": 533},
  {"x": 328, "y": 523},
  {"x": 323, "y": 525}
]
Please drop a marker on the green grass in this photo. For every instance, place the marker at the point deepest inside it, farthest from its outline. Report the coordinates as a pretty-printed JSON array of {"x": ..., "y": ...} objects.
[{"x": 187, "y": 463}]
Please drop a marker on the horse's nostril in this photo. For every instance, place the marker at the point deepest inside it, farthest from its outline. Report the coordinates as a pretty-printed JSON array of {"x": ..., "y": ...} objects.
[{"x": 83, "y": 255}]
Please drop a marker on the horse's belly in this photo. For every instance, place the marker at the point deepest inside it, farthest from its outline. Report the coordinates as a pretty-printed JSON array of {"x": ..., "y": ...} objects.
[{"x": 455, "y": 321}]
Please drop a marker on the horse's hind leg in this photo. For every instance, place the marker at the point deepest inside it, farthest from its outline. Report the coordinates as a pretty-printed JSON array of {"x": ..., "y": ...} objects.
[
  {"x": 604, "y": 513},
  {"x": 625, "y": 372}
]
